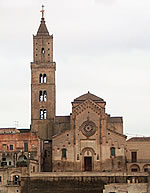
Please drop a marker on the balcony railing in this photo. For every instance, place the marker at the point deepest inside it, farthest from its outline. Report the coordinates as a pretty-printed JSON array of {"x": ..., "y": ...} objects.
[{"x": 13, "y": 183}]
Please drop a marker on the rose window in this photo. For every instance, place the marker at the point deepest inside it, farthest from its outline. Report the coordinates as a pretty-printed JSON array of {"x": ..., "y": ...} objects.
[{"x": 88, "y": 128}]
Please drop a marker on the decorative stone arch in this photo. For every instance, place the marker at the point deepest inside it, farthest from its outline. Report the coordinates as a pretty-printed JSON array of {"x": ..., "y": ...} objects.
[
  {"x": 14, "y": 174},
  {"x": 134, "y": 168},
  {"x": 146, "y": 168},
  {"x": 87, "y": 159},
  {"x": 22, "y": 161}
]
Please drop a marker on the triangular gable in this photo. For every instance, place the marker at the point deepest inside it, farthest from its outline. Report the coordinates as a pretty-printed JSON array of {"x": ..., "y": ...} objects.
[{"x": 87, "y": 104}]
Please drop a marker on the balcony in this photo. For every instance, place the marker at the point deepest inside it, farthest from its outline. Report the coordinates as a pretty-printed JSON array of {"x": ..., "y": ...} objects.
[
  {"x": 13, "y": 183},
  {"x": 22, "y": 163}
]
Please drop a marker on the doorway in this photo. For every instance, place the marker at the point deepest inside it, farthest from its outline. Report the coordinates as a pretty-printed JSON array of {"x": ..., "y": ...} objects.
[{"x": 87, "y": 163}]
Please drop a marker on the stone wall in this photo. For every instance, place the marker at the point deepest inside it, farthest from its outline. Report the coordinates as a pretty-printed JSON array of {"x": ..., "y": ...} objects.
[{"x": 75, "y": 182}]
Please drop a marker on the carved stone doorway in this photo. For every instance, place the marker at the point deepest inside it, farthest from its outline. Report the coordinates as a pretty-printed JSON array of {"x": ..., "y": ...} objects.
[{"x": 87, "y": 163}]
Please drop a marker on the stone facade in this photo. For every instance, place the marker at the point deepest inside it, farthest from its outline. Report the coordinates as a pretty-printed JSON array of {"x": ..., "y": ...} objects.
[
  {"x": 138, "y": 155},
  {"x": 20, "y": 148},
  {"x": 94, "y": 141}
]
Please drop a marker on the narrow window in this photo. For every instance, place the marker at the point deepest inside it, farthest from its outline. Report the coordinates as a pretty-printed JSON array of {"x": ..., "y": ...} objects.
[
  {"x": 16, "y": 180},
  {"x": 33, "y": 168},
  {"x": 9, "y": 163},
  {"x": 42, "y": 51},
  {"x": 11, "y": 147},
  {"x": 44, "y": 78},
  {"x": 112, "y": 151},
  {"x": 4, "y": 159},
  {"x": 45, "y": 96},
  {"x": 26, "y": 147},
  {"x": 64, "y": 153},
  {"x": 134, "y": 157},
  {"x": 41, "y": 113},
  {"x": 0, "y": 179},
  {"x": 4, "y": 146},
  {"x": 41, "y": 78},
  {"x": 41, "y": 96},
  {"x": 45, "y": 114}
]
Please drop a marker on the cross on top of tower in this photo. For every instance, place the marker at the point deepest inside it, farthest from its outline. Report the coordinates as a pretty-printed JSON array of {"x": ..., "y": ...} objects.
[{"x": 42, "y": 11}]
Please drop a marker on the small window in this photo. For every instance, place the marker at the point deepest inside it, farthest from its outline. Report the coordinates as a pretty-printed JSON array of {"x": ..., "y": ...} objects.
[
  {"x": 4, "y": 159},
  {"x": 45, "y": 114},
  {"x": 33, "y": 168},
  {"x": 0, "y": 179},
  {"x": 41, "y": 113},
  {"x": 26, "y": 147},
  {"x": 64, "y": 153},
  {"x": 41, "y": 78},
  {"x": 112, "y": 151},
  {"x": 44, "y": 78},
  {"x": 134, "y": 157},
  {"x": 97, "y": 156},
  {"x": 42, "y": 51},
  {"x": 4, "y": 146},
  {"x": 41, "y": 96},
  {"x": 45, "y": 95},
  {"x": 11, "y": 147},
  {"x": 9, "y": 163}
]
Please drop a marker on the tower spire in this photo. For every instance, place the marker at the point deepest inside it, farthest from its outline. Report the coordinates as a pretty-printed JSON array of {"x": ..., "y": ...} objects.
[
  {"x": 42, "y": 28},
  {"x": 42, "y": 11}
]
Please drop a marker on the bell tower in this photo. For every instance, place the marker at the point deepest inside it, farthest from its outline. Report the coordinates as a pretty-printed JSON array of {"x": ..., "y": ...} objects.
[{"x": 43, "y": 68}]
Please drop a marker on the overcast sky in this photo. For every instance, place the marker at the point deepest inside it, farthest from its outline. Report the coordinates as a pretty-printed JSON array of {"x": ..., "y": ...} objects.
[{"x": 101, "y": 46}]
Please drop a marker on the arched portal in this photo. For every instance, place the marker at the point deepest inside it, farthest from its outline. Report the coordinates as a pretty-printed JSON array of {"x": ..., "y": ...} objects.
[
  {"x": 135, "y": 168},
  {"x": 146, "y": 168},
  {"x": 88, "y": 159}
]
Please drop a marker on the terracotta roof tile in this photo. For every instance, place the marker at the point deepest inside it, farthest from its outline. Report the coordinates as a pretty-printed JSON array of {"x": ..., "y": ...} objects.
[
  {"x": 139, "y": 139},
  {"x": 88, "y": 96}
]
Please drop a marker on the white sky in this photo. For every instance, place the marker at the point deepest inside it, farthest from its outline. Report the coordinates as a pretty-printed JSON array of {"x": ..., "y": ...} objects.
[{"x": 101, "y": 46}]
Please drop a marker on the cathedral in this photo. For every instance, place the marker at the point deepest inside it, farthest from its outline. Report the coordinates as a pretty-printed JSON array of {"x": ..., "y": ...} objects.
[
  {"x": 87, "y": 142},
  {"x": 88, "y": 139}
]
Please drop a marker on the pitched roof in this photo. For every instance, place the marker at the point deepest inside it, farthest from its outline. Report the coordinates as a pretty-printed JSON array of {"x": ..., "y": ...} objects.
[
  {"x": 88, "y": 96},
  {"x": 42, "y": 29},
  {"x": 115, "y": 119},
  {"x": 139, "y": 139}
]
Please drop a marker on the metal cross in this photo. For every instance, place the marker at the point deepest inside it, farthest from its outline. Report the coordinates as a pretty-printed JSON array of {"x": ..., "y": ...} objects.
[{"x": 42, "y": 11}]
